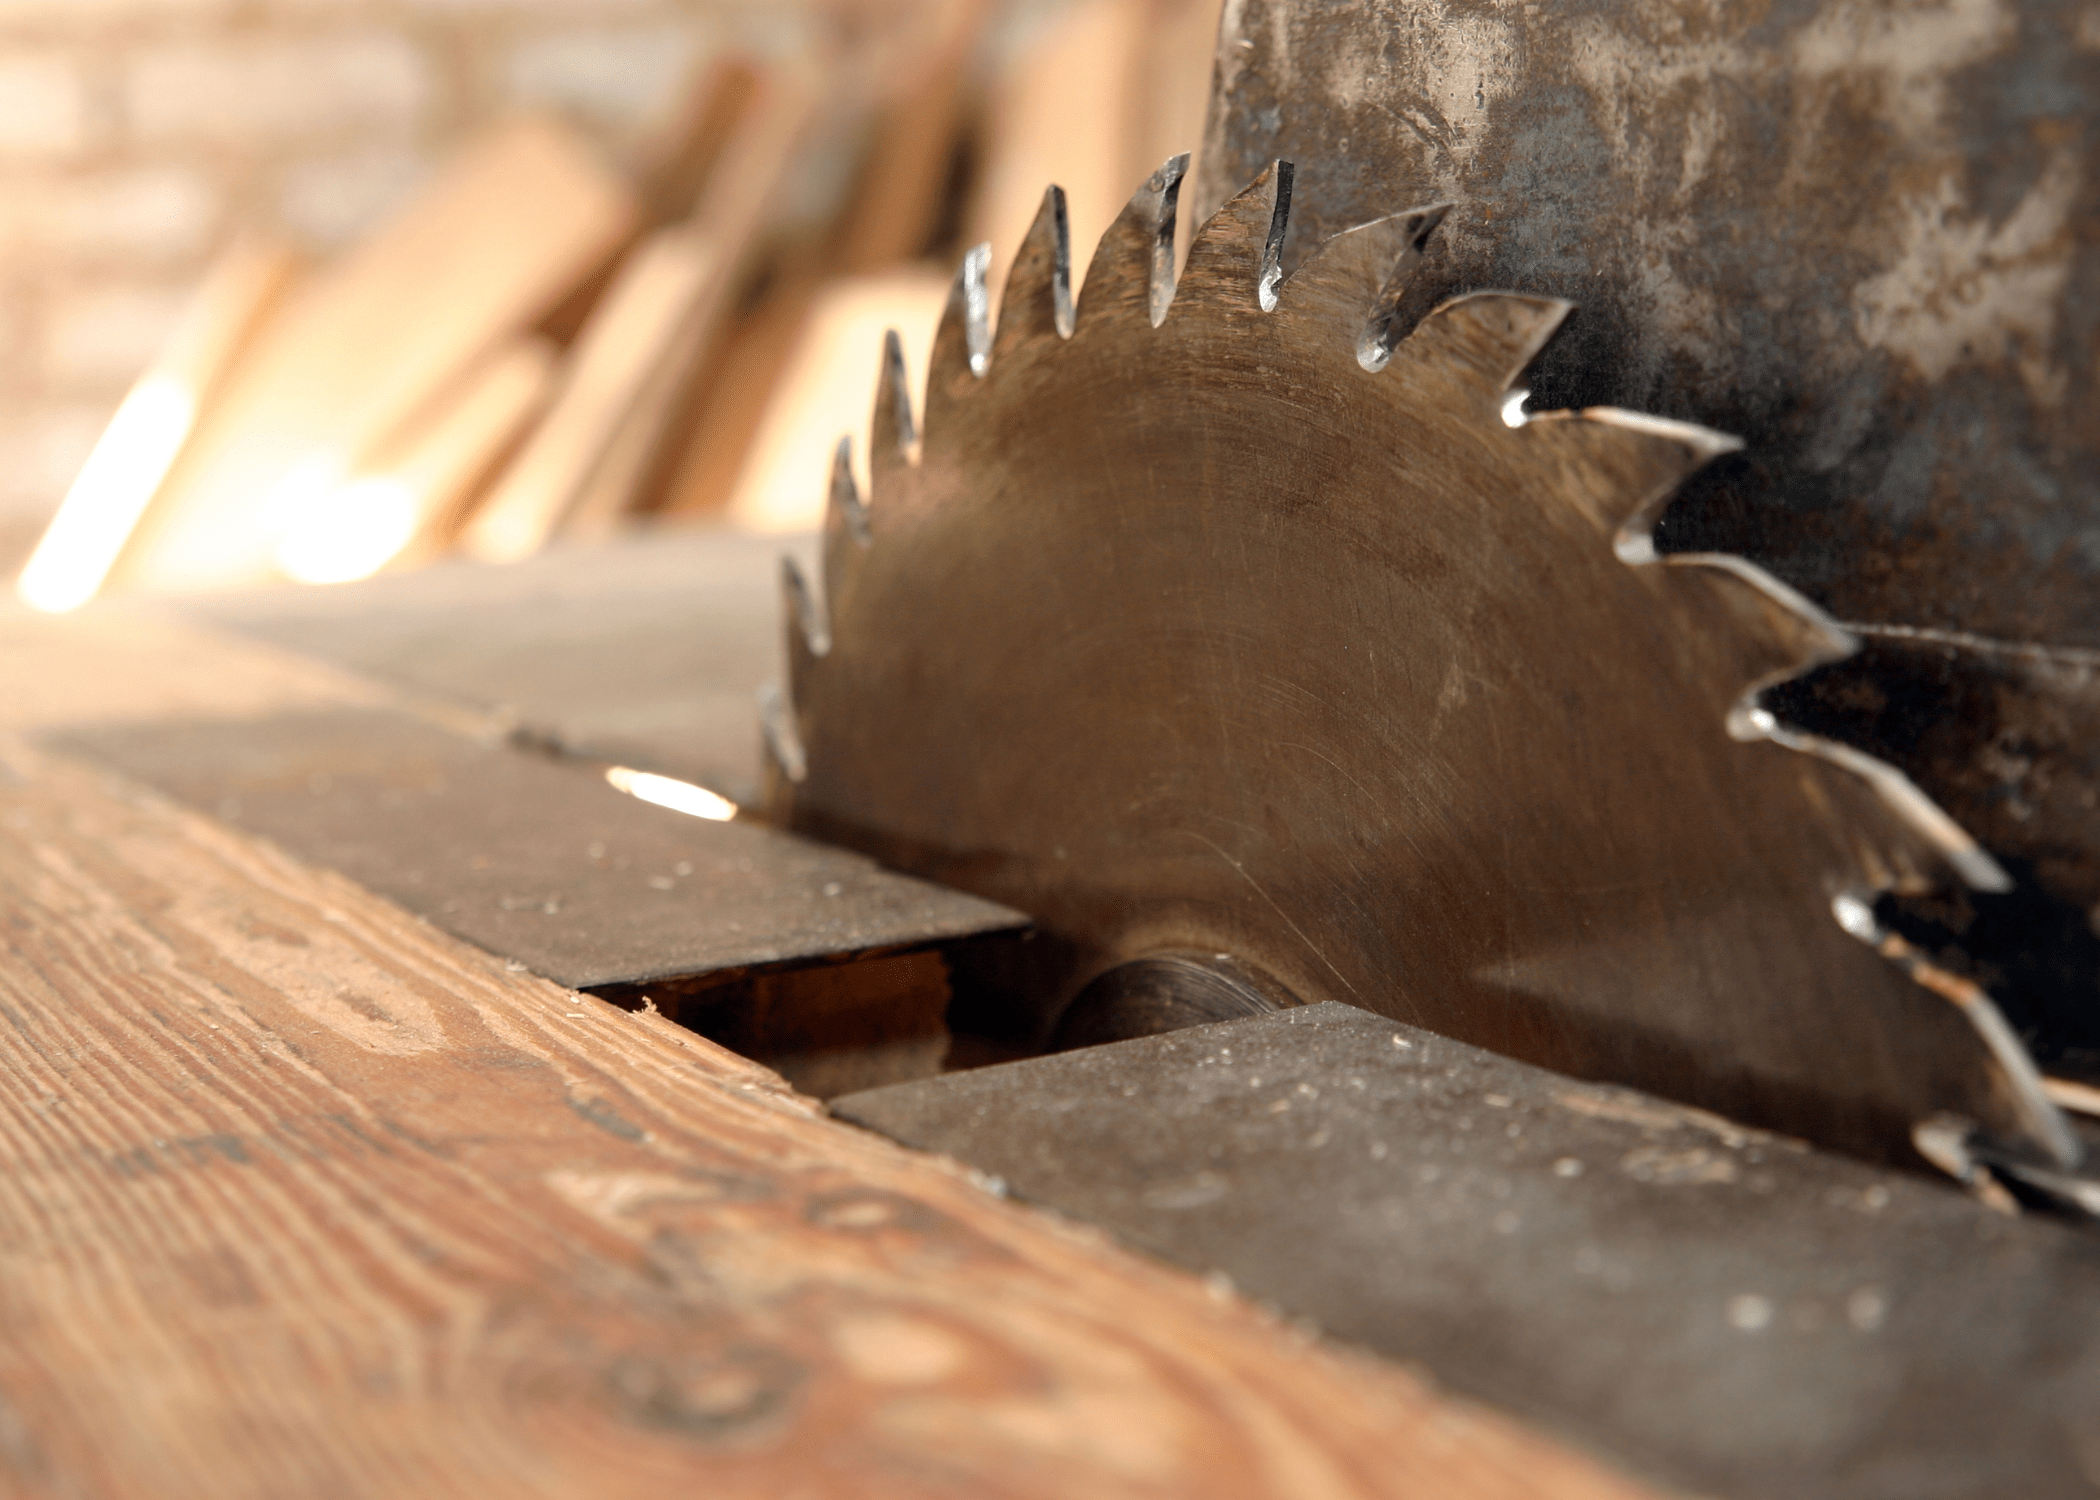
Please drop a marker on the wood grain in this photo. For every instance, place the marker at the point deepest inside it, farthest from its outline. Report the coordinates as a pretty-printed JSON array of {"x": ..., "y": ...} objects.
[{"x": 302, "y": 1198}]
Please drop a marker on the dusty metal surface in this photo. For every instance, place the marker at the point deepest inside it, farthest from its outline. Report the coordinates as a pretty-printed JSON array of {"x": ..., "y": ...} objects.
[
  {"x": 1227, "y": 626},
  {"x": 1863, "y": 237},
  {"x": 1731, "y": 1312},
  {"x": 532, "y": 859},
  {"x": 648, "y": 650}
]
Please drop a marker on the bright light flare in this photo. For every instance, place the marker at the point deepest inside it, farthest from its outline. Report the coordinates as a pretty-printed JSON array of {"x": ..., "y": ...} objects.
[
  {"x": 112, "y": 491},
  {"x": 679, "y": 796},
  {"x": 350, "y": 533},
  {"x": 1513, "y": 413}
]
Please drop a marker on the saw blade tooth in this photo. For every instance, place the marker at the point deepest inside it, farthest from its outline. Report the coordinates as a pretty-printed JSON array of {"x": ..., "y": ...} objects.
[
  {"x": 1627, "y": 465},
  {"x": 1133, "y": 266},
  {"x": 1037, "y": 304},
  {"x": 1783, "y": 634},
  {"x": 805, "y": 609},
  {"x": 846, "y": 531},
  {"x": 1675, "y": 450},
  {"x": 1359, "y": 276},
  {"x": 1485, "y": 338},
  {"x": 962, "y": 345},
  {"x": 2046, "y": 1126},
  {"x": 892, "y": 434},
  {"x": 1799, "y": 635},
  {"x": 779, "y": 734},
  {"x": 1239, "y": 249},
  {"x": 1897, "y": 792}
]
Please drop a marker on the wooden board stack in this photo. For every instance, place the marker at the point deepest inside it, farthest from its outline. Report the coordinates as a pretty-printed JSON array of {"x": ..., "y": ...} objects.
[{"x": 544, "y": 346}]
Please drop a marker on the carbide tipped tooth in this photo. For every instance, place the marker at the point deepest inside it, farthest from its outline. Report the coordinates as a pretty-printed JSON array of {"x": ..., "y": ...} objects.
[
  {"x": 1487, "y": 337},
  {"x": 1037, "y": 304},
  {"x": 891, "y": 433},
  {"x": 777, "y": 731},
  {"x": 962, "y": 345},
  {"x": 1358, "y": 278},
  {"x": 1133, "y": 266},
  {"x": 1239, "y": 249},
  {"x": 805, "y": 610}
]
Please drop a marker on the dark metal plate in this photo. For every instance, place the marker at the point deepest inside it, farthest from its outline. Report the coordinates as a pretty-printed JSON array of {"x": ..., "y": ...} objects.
[
  {"x": 1724, "y": 1309},
  {"x": 533, "y": 859},
  {"x": 647, "y": 651}
]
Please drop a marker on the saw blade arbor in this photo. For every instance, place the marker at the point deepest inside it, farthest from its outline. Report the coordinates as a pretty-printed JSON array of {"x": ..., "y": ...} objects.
[{"x": 1217, "y": 618}]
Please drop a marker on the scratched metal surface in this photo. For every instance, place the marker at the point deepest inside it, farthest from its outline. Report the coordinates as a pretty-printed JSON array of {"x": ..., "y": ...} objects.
[
  {"x": 1725, "y": 1310},
  {"x": 1863, "y": 235}
]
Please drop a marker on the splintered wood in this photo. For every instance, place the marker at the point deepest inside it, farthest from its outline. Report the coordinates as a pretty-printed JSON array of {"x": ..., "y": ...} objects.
[{"x": 304, "y": 1199}]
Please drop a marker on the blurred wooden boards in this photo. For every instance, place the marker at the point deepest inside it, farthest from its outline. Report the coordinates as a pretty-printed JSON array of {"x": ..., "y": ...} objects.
[
  {"x": 365, "y": 346},
  {"x": 405, "y": 503},
  {"x": 386, "y": 405},
  {"x": 145, "y": 438},
  {"x": 1092, "y": 95},
  {"x": 618, "y": 351},
  {"x": 306, "y": 1198},
  {"x": 630, "y": 374}
]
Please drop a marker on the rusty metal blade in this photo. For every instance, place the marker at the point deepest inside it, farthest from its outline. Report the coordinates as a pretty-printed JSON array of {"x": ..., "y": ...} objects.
[{"x": 1195, "y": 634}]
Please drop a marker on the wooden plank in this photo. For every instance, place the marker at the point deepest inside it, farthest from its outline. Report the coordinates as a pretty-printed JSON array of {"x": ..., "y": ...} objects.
[
  {"x": 621, "y": 348},
  {"x": 1178, "y": 59},
  {"x": 130, "y": 464},
  {"x": 631, "y": 373},
  {"x": 408, "y": 500},
  {"x": 1108, "y": 91},
  {"x": 364, "y": 347},
  {"x": 673, "y": 165},
  {"x": 905, "y": 175},
  {"x": 304, "y": 1198},
  {"x": 450, "y": 458},
  {"x": 742, "y": 203},
  {"x": 735, "y": 388},
  {"x": 1063, "y": 112}
]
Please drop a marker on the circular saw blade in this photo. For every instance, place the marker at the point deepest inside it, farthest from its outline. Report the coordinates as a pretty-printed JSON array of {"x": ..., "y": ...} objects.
[{"x": 1217, "y": 618}]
